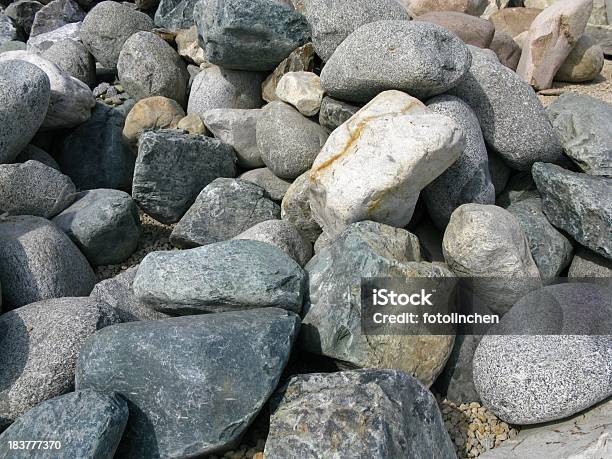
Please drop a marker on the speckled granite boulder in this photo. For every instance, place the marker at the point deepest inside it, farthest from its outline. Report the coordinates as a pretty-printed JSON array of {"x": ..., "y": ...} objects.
[
  {"x": 55, "y": 14},
  {"x": 196, "y": 384},
  {"x": 363, "y": 413},
  {"x": 265, "y": 178},
  {"x": 587, "y": 264},
  {"x": 72, "y": 57}
]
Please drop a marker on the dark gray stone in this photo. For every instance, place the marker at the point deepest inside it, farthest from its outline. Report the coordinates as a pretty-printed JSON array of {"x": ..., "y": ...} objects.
[
  {"x": 32, "y": 188},
  {"x": 362, "y": 413},
  {"x": 513, "y": 120},
  {"x": 549, "y": 357},
  {"x": 225, "y": 276},
  {"x": 499, "y": 172},
  {"x": 587, "y": 264},
  {"x": 265, "y": 178},
  {"x": 22, "y": 13},
  {"x": 175, "y": 14},
  {"x": 579, "y": 204},
  {"x": 54, "y": 15},
  {"x": 172, "y": 168},
  {"x": 24, "y": 96},
  {"x": 8, "y": 29},
  {"x": 584, "y": 125},
  {"x": 39, "y": 345},
  {"x": 224, "y": 209},
  {"x": 33, "y": 153},
  {"x": 334, "y": 112},
  {"x": 72, "y": 57},
  {"x": 107, "y": 27},
  {"x": 104, "y": 224},
  {"x": 88, "y": 423},
  {"x": 94, "y": 156},
  {"x": 193, "y": 384},
  {"x": 468, "y": 180},
  {"x": 148, "y": 66},
  {"x": 456, "y": 382},
  {"x": 419, "y": 58},
  {"x": 251, "y": 35},
  {"x": 40, "y": 262},
  {"x": 295, "y": 208},
  {"x": 519, "y": 187}
]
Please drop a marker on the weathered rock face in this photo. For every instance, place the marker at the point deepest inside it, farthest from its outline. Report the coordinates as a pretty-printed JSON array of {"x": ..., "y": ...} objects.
[
  {"x": 551, "y": 37},
  {"x": 39, "y": 345},
  {"x": 361, "y": 413},
  {"x": 333, "y": 21},
  {"x": 472, "y": 30},
  {"x": 44, "y": 41},
  {"x": 514, "y": 21},
  {"x": 263, "y": 177},
  {"x": 54, "y": 15},
  {"x": 579, "y": 204},
  {"x": 587, "y": 264},
  {"x": 90, "y": 423},
  {"x": 583, "y": 63},
  {"x": 394, "y": 123},
  {"x": 419, "y": 58},
  {"x": 187, "y": 45},
  {"x": 253, "y": 35},
  {"x": 172, "y": 168},
  {"x": 224, "y": 209},
  {"x": 302, "y": 90},
  {"x": 506, "y": 49},
  {"x": 152, "y": 113},
  {"x": 300, "y": 60},
  {"x": 573, "y": 372},
  {"x": 334, "y": 112},
  {"x": 22, "y": 13},
  {"x": 40, "y": 262},
  {"x": 295, "y": 208},
  {"x": 186, "y": 396},
  {"x": 331, "y": 320},
  {"x": 419, "y": 7},
  {"x": 175, "y": 14},
  {"x": 72, "y": 57}
]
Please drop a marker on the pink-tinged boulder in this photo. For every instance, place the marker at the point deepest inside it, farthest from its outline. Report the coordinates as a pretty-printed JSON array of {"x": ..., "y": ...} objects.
[
  {"x": 507, "y": 50},
  {"x": 471, "y": 29},
  {"x": 514, "y": 20},
  {"x": 550, "y": 39},
  {"x": 419, "y": 7}
]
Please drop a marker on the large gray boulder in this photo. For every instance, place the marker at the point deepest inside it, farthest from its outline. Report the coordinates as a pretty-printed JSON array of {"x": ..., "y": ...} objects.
[
  {"x": 265, "y": 178},
  {"x": 89, "y": 423},
  {"x": 362, "y": 413},
  {"x": 579, "y": 204},
  {"x": 175, "y": 14},
  {"x": 72, "y": 57},
  {"x": 33, "y": 153},
  {"x": 54, "y": 15},
  {"x": 222, "y": 210},
  {"x": 44, "y": 41},
  {"x": 253, "y": 35},
  {"x": 587, "y": 264},
  {"x": 39, "y": 345},
  {"x": 295, "y": 208},
  {"x": 172, "y": 168},
  {"x": 40, "y": 262},
  {"x": 196, "y": 384},
  {"x": 419, "y": 58},
  {"x": 22, "y": 13},
  {"x": 32, "y": 188}
]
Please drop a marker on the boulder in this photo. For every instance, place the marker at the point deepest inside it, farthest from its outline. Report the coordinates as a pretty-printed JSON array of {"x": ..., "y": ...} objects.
[
  {"x": 520, "y": 186},
  {"x": 274, "y": 186},
  {"x": 456, "y": 382},
  {"x": 175, "y": 14},
  {"x": 44, "y": 41},
  {"x": 500, "y": 173},
  {"x": 590, "y": 266},
  {"x": 8, "y": 30},
  {"x": 33, "y": 153},
  {"x": 22, "y": 13},
  {"x": 151, "y": 113},
  {"x": 471, "y": 29},
  {"x": 188, "y": 47},
  {"x": 192, "y": 124},
  {"x": 506, "y": 49},
  {"x": 72, "y": 57},
  {"x": 300, "y": 60},
  {"x": 602, "y": 36},
  {"x": 583, "y": 63},
  {"x": 419, "y": 7},
  {"x": 302, "y": 90},
  {"x": 334, "y": 113},
  {"x": 295, "y": 208},
  {"x": 514, "y": 21},
  {"x": 54, "y": 15}
]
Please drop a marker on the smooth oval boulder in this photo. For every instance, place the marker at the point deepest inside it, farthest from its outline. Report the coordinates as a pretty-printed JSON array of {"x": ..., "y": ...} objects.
[
  {"x": 151, "y": 113},
  {"x": 587, "y": 264},
  {"x": 197, "y": 383},
  {"x": 295, "y": 208},
  {"x": 583, "y": 63},
  {"x": 39, "y": 345},
  {"x": 89, "y": 423},
  {"x": 472, "y": 30},
  {"x": 72, "y": 57},
  {"x": 265, "y": 178},
  {"x": 419, "y": 58},
  {"x": 419, "y": 7},
  {"x": 506, "y": 49}
]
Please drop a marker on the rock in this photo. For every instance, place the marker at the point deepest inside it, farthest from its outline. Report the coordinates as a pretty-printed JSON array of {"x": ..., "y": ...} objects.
[
  {"x": 188, "y": 47},
  {"x": 215, "y": 87},
  {"x": 513, "y": 120},
  {"x": 514, "y": 21},
  {"x": 500, "y": 173},
  {"x": 253, "y": 35},
  {"x": 33, "y": 153},
  {"x": 520, "y": 186},
  {"x": 288, "y": 142},
  {"x": 8, "y": 30},
  {"x": 300, "y": 60},
  {"x": 295, "y": 208},
  {"x": 601, "y": 35},
  {"x": 71, "y": 100},
  {"x": 90, "y": 424},
  {"x": 386, "y": 55},
  {"x": 192, "y": 124},
  {"x": 22, "y": 13},
  {"x": 13, "y": 45},
  {"x": 274, "y": 186},
  {"x": 172, "y": 168},
  {"x": 171, "y": 405},
  {"x": 579, "y": 204},
  {"x": 334, "y": 112},
  {"x": 94, "y": 156},
  {"x": 598, "y": 15},
  {"x": 175, "y": 14},
  {"x": 551, "y": 250},
  {"x": 583, "y": 63},
  {"x": 39, "y": 345},
  {"x": 333, "y": 21},
  {"x": 32, "y": 188},
  {"x": 531, "y": 370},
  {"x": 23, "y": 105},
  {"x": 107, "y": 27},
  {"x": 44, "y": 41},
  {"x": 587, "y": 264},
  {"x": 419, "y": 145},
  {"x": 237, "y": 128},
  {"x": 151, "y": 113},
  {"x": 419, "y": 7},
  {"x": 551, "y": 38},
  {"x": 224, "y": 209},
  {"x": 302, "y": 90},
  {"x": 72, "y": 57},
  {"x": 361, "y": 413},
  {"x": 104, "y": 224},
  {"x": 472, "y": 30},
  {"x": 456, "y": 382},
  {"x": 468, "y": 179},
  {"x": 488, "y": 241},
  {"x": 54, "y": 15},
  {"x": 506, "y": 49}
]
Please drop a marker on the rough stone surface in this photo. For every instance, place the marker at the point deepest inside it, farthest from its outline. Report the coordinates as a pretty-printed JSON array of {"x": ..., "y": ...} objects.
[
  {"x": 587, "y": 264},
  {"x": 39, "y": 345},
  {"x": 72, "y": 57},
  {"x": 583, "y": 63},
  {"x": 506, "y": 49},
  {"x": 44, "y": 41},
  {"x": 8, "y": 29},
  {"x": 370, "y": 413},
  {"x": 274, "y": 186},
  {"x": 300, "y": 60},
  {"x": 295, "y": 208},
  {"x": 418, "y": 7},
  {"x": 302, "y": 90},
  {"x": 22, "y": 13},
  {"x": 334, "y": 113},
  {"x": 187, "y": 45},
  {"x": 419, "y": 58},
  {"x": 472, "y": 30},
  {"x": 175, "y": 14},
  {"x": 151, "y": 113},
  {"x": 39, "y": 262},
  {"x": 514, "y": 21},
  {"x": 192, "y": 124},
  {"x": 54, "y": 15},
  {"x": 456, "y": 382}
]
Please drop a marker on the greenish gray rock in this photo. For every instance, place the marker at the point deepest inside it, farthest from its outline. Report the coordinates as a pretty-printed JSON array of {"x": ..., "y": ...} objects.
[
  {"x": 72, "y": 57},
  {"x": 196, "y": 384},
  {"x": 295, "y": 208},
  {"x": 334, "y": 112},
  {"x": 22, "y": 13},
  {"x": 265, "y": 178},
  {"x": 175, "y": 14},
  {"x": 54, "y": 15},
  {"x": 33, "y": 153}
]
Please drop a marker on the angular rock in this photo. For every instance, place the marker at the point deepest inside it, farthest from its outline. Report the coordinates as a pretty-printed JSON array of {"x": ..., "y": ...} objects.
[
  {"x": 224, "y": 209},
  {"x": 151, "y": 113},
  {"x": 187, "y": 45},
  {"x": 39, "y": 345},
  {"x": 44, "y": 41},
  {"x": 419, "y": 7},
  {"x": 54, "y": 15},
  {"x": 300, "y": 60},
  {"x": 90, "y": 424},
  {"x": 8, "y": 29},
  {"x": 172, "y": 168},
  {"x": 334, "y": 113},
  {"x": 22, "y": 13},
  {"x": 514, "y": 21},
  {"x": 456, "y": 382},
  {"x": 288, "y": 142},
  {"x": 295, "y": 208},
  {"x": 302, "y": 90},
  {"x": 583, "y": 63},
  {"x": 396, "y": 135},
  {"x": 72, "y": 57},
  {"x": 361, "y": 413},
  {"x": 175, "y": 14},
  {"x": 506, "y": 49},
  {"x": 274, "y": 186},
  {"x": 33, "y": 153},
  {"x": 472, "y": 30}
]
